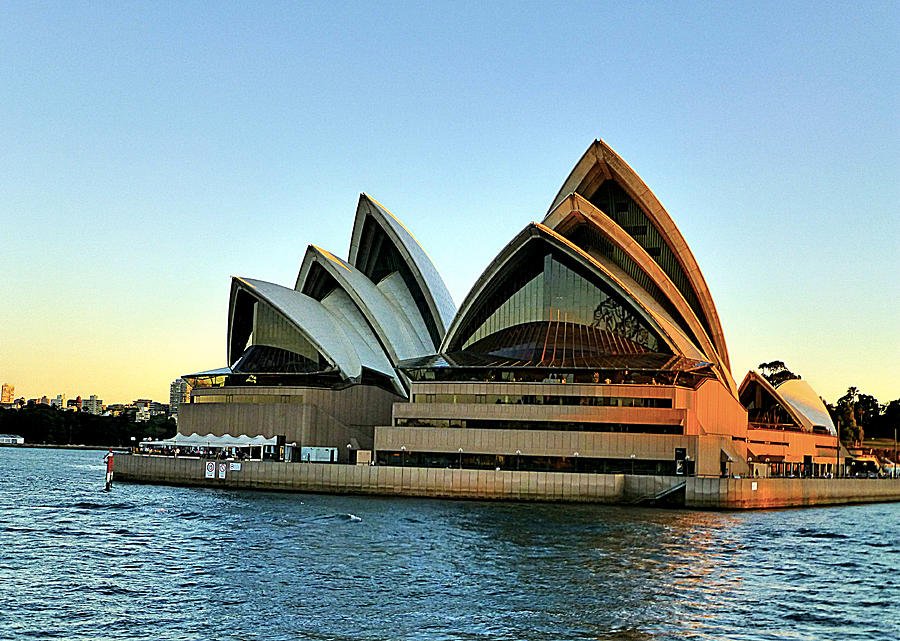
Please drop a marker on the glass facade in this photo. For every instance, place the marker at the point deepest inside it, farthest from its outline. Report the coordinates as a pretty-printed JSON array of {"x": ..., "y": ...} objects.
[
  {"x": 272, "y": 329},
  {"x": 264, "y": 341},
  {"x": 553, "y": 426},
  {"x": 249, "y": 398},
  {"x": 614, "y": 201},
  {"x": 559, "y": 294},
  {"x": 263, "y": 359},
  {"x": 543, "y": 399},
  {"x": 593, "y": 241},
  {"x": 523, "y": 462}
]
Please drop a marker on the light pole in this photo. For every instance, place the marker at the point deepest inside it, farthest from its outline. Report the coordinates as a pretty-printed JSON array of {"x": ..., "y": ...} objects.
[
  {"x": 894, "y": 474},
  {"x": 632, "y": 464},
  {"x": 402, "y": 456},
  {"x": 837, "y": 456},
  {"x": 460, "y": 457},
  {"x": 519, "y": 454}
]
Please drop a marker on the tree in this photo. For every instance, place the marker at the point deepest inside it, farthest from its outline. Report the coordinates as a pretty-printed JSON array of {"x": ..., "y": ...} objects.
[
  {"x": 846, "y": 417},
  {"x": 866, "y": 410},
  {"x": 776, "y": 372},
  {"x": 45, "y": 424},
  {"x": 888, "y": 419}
]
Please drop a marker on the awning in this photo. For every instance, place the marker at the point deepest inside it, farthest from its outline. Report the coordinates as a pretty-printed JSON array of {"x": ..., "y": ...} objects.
[{"x": 211, "y": 440}]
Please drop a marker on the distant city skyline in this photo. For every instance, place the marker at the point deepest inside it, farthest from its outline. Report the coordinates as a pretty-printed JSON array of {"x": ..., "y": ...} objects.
[{"x": 168, "y": 147}]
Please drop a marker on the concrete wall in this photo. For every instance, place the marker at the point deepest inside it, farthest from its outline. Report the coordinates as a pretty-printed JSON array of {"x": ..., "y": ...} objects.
[
  {"x": 763, "y": 443},
  {"x": 308, "y": 416},
  {"x": 773, "y": 493},
  {"x": 710, "y": 417},
  {"x": 398, "y": 481},
  {"x": 563, "y": 413},
  {"x": 536, "y": 442},
  {"x": 704, "y": 493},
  {"x": 716, "y": 411}
]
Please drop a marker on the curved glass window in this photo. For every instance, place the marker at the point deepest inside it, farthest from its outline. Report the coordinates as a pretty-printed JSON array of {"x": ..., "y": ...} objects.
[
  {"x": 259, "y": 359},
  {"x": 272, "y": 329},
  {"x": 258, "y": 324},
  {"x": 615, "y": 202},
  {"x": 560, "y": 301}
]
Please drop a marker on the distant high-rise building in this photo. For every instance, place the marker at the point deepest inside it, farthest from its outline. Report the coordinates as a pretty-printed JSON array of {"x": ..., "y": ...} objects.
[
  {"x": 179, "y": 392},
  {"x": 8, "y": 393},
  {"x": 92, "y": 405},
  {"x": 44, "y": 400},
  {"x": 73, "y": 404},
  {"x": 142, "y": 414},
  {"x": 59, "y": 402}
]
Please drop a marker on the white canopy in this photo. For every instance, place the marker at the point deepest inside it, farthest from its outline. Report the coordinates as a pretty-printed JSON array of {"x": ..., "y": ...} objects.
[{"x": 211, "y": 440}]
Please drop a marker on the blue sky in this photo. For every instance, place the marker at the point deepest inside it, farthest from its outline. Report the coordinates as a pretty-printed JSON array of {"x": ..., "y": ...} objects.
[{"x": 152, "y": 150}]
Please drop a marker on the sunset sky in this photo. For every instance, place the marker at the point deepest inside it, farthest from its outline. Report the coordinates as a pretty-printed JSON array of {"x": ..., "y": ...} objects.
[{"x": 153, "y": 150}]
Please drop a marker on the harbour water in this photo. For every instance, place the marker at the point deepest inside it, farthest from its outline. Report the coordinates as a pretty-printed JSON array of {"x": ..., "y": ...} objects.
[{"x": 155, "y": 562}]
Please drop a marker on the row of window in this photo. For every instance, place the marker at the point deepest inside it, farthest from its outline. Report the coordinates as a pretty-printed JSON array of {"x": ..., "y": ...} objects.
[
  {"x": 543, "y": 399},
  {"x": 770, "y": 443},
  {"x": 583, "y": 464},
  {"x": 249, "y": 398},
  {"x": 555, "y": 426}
]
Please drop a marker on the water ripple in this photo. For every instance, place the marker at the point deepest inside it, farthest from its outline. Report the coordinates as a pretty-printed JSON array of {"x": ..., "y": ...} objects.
[{"x": 164, "y": 563}]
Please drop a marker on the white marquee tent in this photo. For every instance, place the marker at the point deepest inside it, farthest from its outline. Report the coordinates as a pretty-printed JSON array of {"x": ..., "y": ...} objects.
[{"x": 211, "y": 440}]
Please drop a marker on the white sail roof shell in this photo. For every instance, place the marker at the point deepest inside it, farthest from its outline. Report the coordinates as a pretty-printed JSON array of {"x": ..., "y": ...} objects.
[
  {"x": 439, "y": 301},
  {"x": 348, "y": 349},
  {"x": 803, "y": 399},
  {"x": 393, "y": 325}
]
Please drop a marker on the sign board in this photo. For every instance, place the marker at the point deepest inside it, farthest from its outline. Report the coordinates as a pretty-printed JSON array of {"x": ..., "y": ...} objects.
[
  {"x": 234, "y": 467},
  {"x": 222, "y": 468},
  {"x": 753, "y": 486},
  {"x": 210, "y": 470}
]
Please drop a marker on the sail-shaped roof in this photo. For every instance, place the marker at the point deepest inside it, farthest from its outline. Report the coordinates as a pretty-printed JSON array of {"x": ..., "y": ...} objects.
[
  {"x": 796, "y": 397},
  {"x": 394, "y": 330},
  {"x": 346, "y": 345},
  {"x": 606, "y": 180},
  {"x": 381, "y": 245},
  {"x": 634, "y": 310},
  {"x": 582, "y": 223},
  {"x": 803, "y": 399}
]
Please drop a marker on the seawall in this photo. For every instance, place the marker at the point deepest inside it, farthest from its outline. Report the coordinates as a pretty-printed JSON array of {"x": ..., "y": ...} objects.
[{"x": 510, "y": 485}]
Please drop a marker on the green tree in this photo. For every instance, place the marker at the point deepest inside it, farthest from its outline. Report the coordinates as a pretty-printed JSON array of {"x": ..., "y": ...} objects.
[
  {"x": 888, "y": 419},
  {"x": 776, "y": 372},
  {"x": 845, "y": 415},
  {"x": 866, "y": 410},
  {"x": 42, "y": 424}
]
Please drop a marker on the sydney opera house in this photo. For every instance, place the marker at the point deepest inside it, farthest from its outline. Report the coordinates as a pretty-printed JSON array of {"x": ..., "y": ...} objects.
[{"x": 590, "y": 343}]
